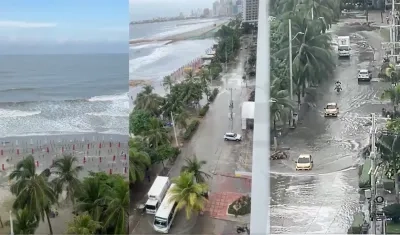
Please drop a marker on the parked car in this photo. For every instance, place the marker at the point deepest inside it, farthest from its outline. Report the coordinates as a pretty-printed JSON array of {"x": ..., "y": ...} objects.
[{"x": 232, "y": 136}]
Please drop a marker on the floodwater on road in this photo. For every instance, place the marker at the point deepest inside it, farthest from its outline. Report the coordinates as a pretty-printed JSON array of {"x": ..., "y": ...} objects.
[{"x": 324, "y": 199}]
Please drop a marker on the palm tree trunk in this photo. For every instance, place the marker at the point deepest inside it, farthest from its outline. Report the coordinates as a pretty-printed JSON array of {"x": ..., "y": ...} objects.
[
  {"x": 396, "y": 186},
  {"x": 298, "y": 98},
  {"x": 48, "y": 221},
  {"x": 275, "y": 127}
]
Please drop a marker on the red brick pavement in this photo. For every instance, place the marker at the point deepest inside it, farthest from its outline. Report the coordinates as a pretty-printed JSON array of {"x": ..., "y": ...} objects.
[
  {"x": 224, "y": 183},
  {"x": 218, "y": 203}
]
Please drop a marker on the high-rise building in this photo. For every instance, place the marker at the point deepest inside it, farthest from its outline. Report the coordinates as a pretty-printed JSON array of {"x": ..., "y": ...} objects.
[
  {"x": 206, "y": 12},
  {"x": 216, "y": 8},
  {"x": 250, "y": 10}
]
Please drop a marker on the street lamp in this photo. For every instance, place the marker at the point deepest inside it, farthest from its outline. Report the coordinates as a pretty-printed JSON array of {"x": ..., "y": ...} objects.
[{"x": 291, "y": 64}]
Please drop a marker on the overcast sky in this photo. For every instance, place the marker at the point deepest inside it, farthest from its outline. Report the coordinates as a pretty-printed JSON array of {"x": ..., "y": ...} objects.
[
  {"x": 63, "y": 26},
  {"x": 148, "y": 9}
]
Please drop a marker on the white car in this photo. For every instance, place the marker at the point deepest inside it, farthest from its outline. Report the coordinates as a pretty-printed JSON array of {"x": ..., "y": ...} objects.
[
  {"x": 304, "y": 162},
  {"x": 232, "y": 136},
  {"x": 331, "y": 109},
  {"x": 364, "y": 75}
]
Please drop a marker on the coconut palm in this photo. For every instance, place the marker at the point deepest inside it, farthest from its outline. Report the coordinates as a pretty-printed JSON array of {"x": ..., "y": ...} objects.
[
  {"x": 280, "y": 103},
  {"x": 389, "y": 147},
  {"x": 157, "y": 133},
  {"x": 312, "y": 54},
  {"x": 91, "y": 197},
  {"x": 32, "y": 190},
  {"x": 117, "y": 201},
  {"x": 66, "y": 170},
  {"x": 167, "y": 82},
  {"x": 392, "y": 94},
  {"x": 83, "y": 224},
  {"x": 194, "y": 166},
  {"x": 188, "y": 194},
  {"x": 139, "y": 161},
  {"x": 149, "y": 101},
  {"x": 25, "y": 222},
  {"x": 181, "y": 118}
]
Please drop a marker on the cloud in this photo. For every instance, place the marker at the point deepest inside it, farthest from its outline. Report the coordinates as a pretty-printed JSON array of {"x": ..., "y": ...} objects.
[{"x": 22, "y": 24}]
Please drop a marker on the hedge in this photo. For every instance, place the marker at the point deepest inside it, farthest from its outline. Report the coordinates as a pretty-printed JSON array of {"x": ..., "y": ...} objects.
[
  {"x": 191, "y": 129},
  {"x": 356, "y": 226},
  {"x": 365, "y": 177},
  {"x": 388, "y": 184},
  {"x": 204, "y": 110}
]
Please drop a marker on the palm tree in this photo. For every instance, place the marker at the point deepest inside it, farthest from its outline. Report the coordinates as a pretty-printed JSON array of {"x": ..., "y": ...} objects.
[
  {"x": 157, "y": 134},
  {"x": 149, "y": 101},
  {"x": 280, "y": 103},
  {"x": 189, "y": 74},
  {"x": 194, "y": 166},
  {"x": 139, "y": 161},
  {"x": 67, "y": 171},
  {"x": 392, "y": 94},
  {"x": 91, "y": 198},
  {"x": 181, "y": 118},
  {"x": 83, "y": 224},
  {"x": 389, "y": 147},
  {"x": 33, "y": 191},
  {"x": 312, "y": 53},
  {"x": 188, "y": 194},
  {"x": 25, "y": 222},
  {"x": 167, "y": 82},
  {"x": 391, "y": 73},
  {"x": 117, "y": 201}
]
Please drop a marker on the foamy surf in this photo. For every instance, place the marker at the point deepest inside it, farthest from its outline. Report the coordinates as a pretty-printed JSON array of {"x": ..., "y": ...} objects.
[
  {"x": 7, "y": 113},
  {"x": 109, "y": 98}
]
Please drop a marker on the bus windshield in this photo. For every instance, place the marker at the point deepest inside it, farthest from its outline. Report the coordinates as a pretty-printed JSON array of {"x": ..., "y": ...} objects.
[{"x": 160, "y": 222}]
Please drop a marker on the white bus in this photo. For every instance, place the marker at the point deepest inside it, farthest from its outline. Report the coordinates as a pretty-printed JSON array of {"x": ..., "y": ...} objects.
[{"x": 165, "y": 214}]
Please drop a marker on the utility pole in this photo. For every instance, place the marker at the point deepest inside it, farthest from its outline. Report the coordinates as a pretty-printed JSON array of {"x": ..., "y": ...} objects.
[
  {"x": 291, "y": 69},
  {"x": 226, "y": 58},
  {"x": 373, "y": 180},
  {"x": 173, "y": 125},
  {"x": 231, "y": 110}
]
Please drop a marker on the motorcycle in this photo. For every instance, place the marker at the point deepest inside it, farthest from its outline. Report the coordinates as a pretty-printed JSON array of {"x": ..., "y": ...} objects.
[
  {"x": 242, "y": 229},
  {"x": 338, "y": 88}
]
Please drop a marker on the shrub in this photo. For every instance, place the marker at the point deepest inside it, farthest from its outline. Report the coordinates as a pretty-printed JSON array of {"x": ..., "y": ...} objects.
[
  {"x": 204, "y": 110},
  {"x": 365, "y": 177},
  {"x": 356, "y": 226},
  {"x": 393, "y": 211},
  {"x": 213, "y": 95},
  {"x": 388, "y": 184},
  {"x": 191, "y": 129},
  {"x": 241, "y": 206}
]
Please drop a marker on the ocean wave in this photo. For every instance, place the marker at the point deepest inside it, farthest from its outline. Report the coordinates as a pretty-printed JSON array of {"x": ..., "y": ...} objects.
[
  {"x": 8, "y": 113},
  {"x": 148, "y": 45},
  {"x": 157, "y": 54},
  {"x": 109, "y": 114},
  {"x": 120, "y": 97},
  {"x": 17, "y": 89}
]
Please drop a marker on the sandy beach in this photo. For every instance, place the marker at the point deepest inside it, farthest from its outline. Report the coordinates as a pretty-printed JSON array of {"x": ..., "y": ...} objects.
[
  {"x": 182, "y": 36},
  {"x": 95, "y": 152}
]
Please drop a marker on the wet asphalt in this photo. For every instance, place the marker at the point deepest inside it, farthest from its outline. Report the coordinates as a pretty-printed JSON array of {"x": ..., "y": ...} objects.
[{"x": 324, "y": 199}]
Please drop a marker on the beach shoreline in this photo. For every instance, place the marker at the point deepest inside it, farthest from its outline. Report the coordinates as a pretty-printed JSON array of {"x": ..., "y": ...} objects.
[{"x": 182, "y": 36}]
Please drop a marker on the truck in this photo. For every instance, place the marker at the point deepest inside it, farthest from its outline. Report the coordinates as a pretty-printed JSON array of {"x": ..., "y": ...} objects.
[
  {"x": 156, "y": 194},
  {"x": 344, "y": 46}
]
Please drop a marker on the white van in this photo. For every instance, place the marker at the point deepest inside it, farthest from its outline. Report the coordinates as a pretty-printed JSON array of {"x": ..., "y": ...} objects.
[
  {"x": 165, "y": 214},
  {"x": 156, "y": 194},
  {"x": 344, "y": 46}
]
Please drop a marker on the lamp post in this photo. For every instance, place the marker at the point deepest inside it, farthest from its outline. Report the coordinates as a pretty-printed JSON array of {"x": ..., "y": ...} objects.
[{"x": 291, "y": 65}]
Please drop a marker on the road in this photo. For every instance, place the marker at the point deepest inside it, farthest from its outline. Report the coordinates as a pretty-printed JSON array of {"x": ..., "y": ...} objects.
[
  {"x": 208, "y": 144},
  {"x": 324, "y": 199}
]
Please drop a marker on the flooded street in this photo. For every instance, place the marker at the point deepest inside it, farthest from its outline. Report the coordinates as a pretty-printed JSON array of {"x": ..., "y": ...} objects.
[{"x": 324, "y": 199}]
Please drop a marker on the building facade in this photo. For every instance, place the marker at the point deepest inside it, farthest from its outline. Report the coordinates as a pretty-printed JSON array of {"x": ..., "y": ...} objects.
[{"x": 250, "y": 11}]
